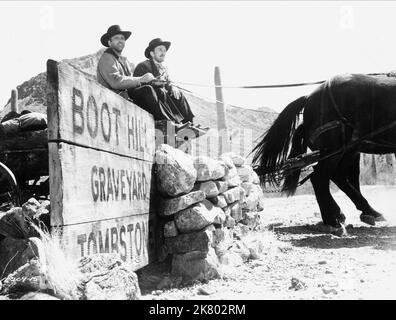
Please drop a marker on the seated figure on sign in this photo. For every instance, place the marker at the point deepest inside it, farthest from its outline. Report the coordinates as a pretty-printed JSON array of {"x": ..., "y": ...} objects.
[
  {"x": 167, "y": 93},
  {"x": 115, "y": 73}
]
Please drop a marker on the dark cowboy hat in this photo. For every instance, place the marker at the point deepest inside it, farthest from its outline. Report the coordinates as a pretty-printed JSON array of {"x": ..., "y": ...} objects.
[
  {"x": 155, "y": 43},
  {"x": 112, "y": 31}
]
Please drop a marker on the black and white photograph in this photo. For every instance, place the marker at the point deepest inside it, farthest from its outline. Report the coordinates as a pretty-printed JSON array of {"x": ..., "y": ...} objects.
[{"x": 205, "y": 152}]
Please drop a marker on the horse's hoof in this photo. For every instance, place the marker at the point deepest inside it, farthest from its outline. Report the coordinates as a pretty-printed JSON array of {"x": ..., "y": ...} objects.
[
  {"x": 380, "y": 218},
  {"x": 368, "y": 219},
  {"x": 339, "y": 232}
]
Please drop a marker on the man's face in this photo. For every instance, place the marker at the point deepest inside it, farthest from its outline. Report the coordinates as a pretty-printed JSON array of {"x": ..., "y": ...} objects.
[
  {"x": 159, "y": 53},
  {"x": 117, "y": 42}
]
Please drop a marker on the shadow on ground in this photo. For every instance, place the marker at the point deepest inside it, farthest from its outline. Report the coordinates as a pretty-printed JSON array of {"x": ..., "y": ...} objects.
[{"x": 381, "y": 238}]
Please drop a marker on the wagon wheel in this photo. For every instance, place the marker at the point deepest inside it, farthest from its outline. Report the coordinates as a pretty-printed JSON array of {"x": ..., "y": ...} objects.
[{"x": 9, "y": 190}]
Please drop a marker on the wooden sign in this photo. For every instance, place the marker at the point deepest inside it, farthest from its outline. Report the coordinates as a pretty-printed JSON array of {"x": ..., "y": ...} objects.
[{"x": 101, "y": 150}]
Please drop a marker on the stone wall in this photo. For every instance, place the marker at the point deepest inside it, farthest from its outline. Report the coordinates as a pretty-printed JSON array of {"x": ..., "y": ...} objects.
[{"x": 203, "y": 204}]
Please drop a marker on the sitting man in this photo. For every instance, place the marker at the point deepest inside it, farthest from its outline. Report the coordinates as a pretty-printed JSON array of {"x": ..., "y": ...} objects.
[
  {"x": 170, "y": 95},
  {"x": 115, "y": 73}
]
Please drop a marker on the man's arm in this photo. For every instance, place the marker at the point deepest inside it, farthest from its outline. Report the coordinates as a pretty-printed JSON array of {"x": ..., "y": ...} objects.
[{"x": 109, "y": 71}]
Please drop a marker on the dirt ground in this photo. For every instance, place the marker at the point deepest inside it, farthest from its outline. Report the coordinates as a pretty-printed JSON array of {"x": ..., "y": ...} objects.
[{"x": 299, "y": 262}]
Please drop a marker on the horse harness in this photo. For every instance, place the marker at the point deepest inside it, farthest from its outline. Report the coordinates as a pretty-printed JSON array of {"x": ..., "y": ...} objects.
[{"x": 343, "y": 122}]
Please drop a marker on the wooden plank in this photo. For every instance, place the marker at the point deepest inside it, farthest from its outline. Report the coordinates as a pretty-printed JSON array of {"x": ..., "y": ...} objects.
[
  {"x": 83, "y": 112},
  {"x": 89, "y": 185},
  {"x": 128, "y": 236}
]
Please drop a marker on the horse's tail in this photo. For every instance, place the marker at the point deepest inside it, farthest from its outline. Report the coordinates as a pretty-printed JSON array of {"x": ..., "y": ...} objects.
[
  {"x": 298, "y": 147},
  {"x": 273, "y": 149}
]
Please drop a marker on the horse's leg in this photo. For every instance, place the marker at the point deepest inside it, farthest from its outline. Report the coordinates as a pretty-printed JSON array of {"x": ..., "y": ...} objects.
[
  {"x": 347, "y": 179},
  {"x": 329, "y": 209},
  {"x": 354, "y": 173}
]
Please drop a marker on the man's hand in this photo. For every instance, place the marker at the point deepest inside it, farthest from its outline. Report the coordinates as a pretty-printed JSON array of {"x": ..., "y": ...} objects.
[
  {"x": 175, "y": 92},
  {"x": 146, "y": 77}
]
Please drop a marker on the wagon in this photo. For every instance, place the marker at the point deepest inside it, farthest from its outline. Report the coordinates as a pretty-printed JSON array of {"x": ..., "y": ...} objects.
[{"x": 23, "y": 168}]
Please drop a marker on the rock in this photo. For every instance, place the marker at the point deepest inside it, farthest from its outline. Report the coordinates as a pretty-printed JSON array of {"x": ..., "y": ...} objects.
[
  {"x": 230, "y": 173},
  {"x": 234, "y": 182},
  {"x": 37, "y": 296},
  {"x": 171, "y": 206},
  {"x": 209, "y": 169},
  {"x": 245, "y": 172},
  {"x": 260, "y": 205},
  {"x": 175, "y": 172},
  {"x": 196, "y": 266},
  {"x": 219, "y": 201},
  {"x": 328, "y": 291},
  {"x": 99, "y": 263},
  {"x": 119, "y": 283},
  {"x": 232, "y": 177},
  {"x": 248, "y": 187},
  {"x": 226, "y": 158},
  {"x": 260, "y": 193},
  {"x": 229, "y": 222},
  {"x": 170, "y": 229},
  {"x": 196, "y": 217},
  {"x": 208, "y": 187},
  {"x": 255, "y": 198},
  {"x": 240, "y": 230},
  {"x": 107, "y": 277},
  {"x": 227, "y": 210},
  {"x": 251, "y": 202},
  {"x": 256, "y": 249},
  {"x": 31, "y": 207},
  {"x": 31, "y": 276},
  {"x": 256, "y": 179},
  {"x": 15, "y": 253},
  {"x": 220, "y": 218},
  {"x": 297, "y": 284},
  {"x": 43, "y": 213},
  {"x": 231, "y": 259},
  {"x": 14, "y": 224},
  {"x": 236, "y": 159},
  {"x": 240, "y": 248},
  {"x": 222, "y": 186},
  {"x": 218, "y": 237},
  {"x": 196, "y": 241},
  {"x": 45, "y": 207},
  {"x": 251, "y": 219},
  {"x": 169, "y": 282},
  {"x": 236, "y": 211},
  {"x": 203, "y": 292},
  {"x": 234, "y": 194}
]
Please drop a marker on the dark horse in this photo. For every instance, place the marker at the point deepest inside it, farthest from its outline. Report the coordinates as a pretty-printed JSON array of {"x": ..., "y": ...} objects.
[{"x": 344, "y": 116}]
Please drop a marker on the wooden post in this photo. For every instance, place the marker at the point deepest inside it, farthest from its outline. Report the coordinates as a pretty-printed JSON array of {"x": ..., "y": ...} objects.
[
  {"x": 14, "y": 100},
  {"x": 221, "y": 114}
]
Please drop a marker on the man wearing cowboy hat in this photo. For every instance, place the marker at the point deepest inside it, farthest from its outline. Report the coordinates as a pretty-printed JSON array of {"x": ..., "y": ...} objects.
[
  {"x": 174, "y": 99},
  {"x": 115, "y": 73}
]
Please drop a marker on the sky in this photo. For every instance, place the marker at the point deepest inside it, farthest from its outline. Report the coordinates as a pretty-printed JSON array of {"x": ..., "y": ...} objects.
[{"x": 253, "y": 43}]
